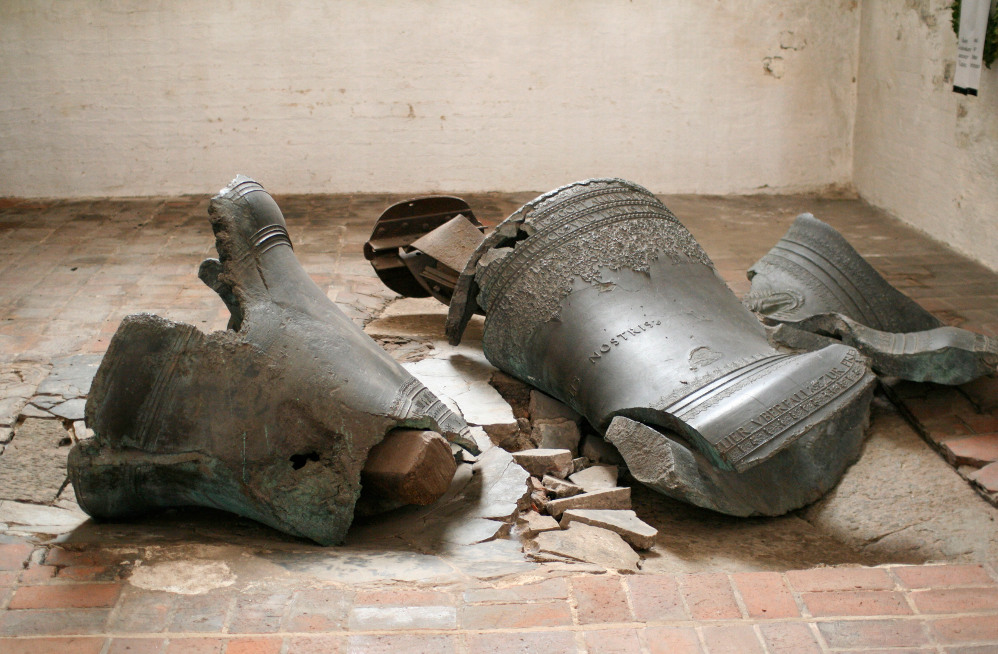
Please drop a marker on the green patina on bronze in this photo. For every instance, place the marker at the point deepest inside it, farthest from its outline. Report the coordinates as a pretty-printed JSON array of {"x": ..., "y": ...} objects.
[{"x": 271, "y": 419}]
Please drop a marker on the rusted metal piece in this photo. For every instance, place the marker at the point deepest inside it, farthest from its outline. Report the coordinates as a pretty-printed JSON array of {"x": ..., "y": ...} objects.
[
  {"x": 272, "y": 419},
  {"x": 400, "y": 249},
  {"x": 816, "y": 288}
]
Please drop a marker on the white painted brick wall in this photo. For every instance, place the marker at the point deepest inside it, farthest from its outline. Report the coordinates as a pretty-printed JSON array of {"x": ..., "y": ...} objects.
[
  {"x": 924, "y": 153},
  {"x": 139, "y": 97}
]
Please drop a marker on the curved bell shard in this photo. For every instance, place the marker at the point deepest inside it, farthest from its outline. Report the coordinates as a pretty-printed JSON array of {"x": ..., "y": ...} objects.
[
  {"x": 596, "y": 294},
  {"x": 272, "y": 419},
  {"x": 815, "y": 287}
]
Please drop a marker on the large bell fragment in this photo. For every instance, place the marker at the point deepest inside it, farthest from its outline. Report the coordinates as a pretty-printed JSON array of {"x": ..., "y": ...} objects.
[
  {"x": 815, "y": 287},
  {"x": 272, "y": 419},
  {"x": 596, "y": 294}
]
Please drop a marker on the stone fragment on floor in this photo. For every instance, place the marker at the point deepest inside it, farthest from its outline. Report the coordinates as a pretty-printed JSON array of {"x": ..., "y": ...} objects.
[
  {"x": 977, "y": 450},
  {"x": 33, "y": 465},
  {"x": 987, "y": 479},
  {"x": 33, "y": 519},
  {"x": 632, "y": 529},
  {"x": 532, "y": 523},
  {"x": 459, "y": 375},
  {"x": 597, "y": 477},
  {"x": 610, "y": 498},
  {"x": 463, "y": 383},
  {"x": 413, "y": 466},
  {"x": 557, "y": 463},
  {"x": 18, "y": 381},
  {"x": 63, "y": 392},
  {"x": 583, "y": 542},
  {"x": 558, "y": 434},
  {"x": 560, "y": 487}
]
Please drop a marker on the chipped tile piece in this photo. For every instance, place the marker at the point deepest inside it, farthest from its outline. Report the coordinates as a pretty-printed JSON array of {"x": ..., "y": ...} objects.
[
  {"x": 977, "y": 450},
  {"x": 532, "y": 523},
  {"x": 597, "y": 477},
  {"x": 538, "y": 463},
  {"x": 560, "y": 487},
  {"x": 556, "y": 435},
  {"x": 987, "y": 477},
  {"x": 632, "y": 529},
  {"x": 33, "y": 466},
  {"x": 70, "y": 409},
  {"x": 591, "y": 545},
  {"x": 610, "y": 498},
  {"x": 31, "y": 411}
]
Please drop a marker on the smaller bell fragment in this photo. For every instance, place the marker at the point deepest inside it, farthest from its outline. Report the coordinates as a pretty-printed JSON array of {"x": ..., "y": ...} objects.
[{"x": 815, "y": 287}]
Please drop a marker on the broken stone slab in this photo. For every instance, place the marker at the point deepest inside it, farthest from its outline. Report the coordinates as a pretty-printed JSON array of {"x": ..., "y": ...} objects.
[
  {"x": 598, "y": 450},
  {"x": 21, "y": 378},
  {"x": 560, "y": 487},
  {"x": 31, "y": 411},
  {"x": 545, "y": 407},
  {"x": 987, "y": 479},
  {"x": 632, "y": 529},
  {"x": 532, "y": 523},
  {"x": 583, "y": 542},
  {"x": 410, "y": 465},
  {"x": 38, "y": 518},
  {"x": 556, "y": 435},
  {"x": 70, "y": 376},
  {"x": 557, "y": 463},
  {"x": 611, "y": 498},
  {"x": 47, "y": 401},
  {"x": 464, "y": 380},
  {"x": 33, "y": 466},
  {"x": 271, "y": 419},
  {"x": 80, "y": 431},
  {"x": 496, "y": 558},
  {"x": 579, "y": 464},
  {"x": 10, "y": 409},
  {"x": 977, "y": 450},
  {"x": 70, "y": 409},
  {"x": 503, "y": 490},
  {"x": 597, "y": 477}
]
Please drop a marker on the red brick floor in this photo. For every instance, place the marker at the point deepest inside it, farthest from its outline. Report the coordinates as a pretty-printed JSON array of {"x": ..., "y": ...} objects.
[
  {"x": 926, "y": 608},
  {"x": 69, "y": 271}
]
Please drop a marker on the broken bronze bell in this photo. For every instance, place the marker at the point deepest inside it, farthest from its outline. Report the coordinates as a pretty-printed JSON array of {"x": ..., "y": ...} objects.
[
  {"x": 815, "y": 288},
  {"x": 597, "y": 295},
  {"x": 272, "y": 419}
]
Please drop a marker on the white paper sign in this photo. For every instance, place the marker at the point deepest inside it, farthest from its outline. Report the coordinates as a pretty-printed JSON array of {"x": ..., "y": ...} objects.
[{"x": 970, "y": 45}]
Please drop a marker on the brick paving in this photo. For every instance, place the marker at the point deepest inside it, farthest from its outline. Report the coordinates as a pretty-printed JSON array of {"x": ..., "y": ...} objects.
[
  {"x": 921, "y": 608},
  {"x": 70, "y": 270}
]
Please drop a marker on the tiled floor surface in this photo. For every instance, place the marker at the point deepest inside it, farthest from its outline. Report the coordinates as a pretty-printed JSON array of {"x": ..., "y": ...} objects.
[{"x": 69, "y": 271}]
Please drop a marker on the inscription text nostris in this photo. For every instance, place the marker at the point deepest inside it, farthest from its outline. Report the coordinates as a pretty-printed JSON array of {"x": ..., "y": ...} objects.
[{"x": 621, "y": 337}]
